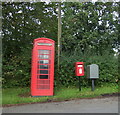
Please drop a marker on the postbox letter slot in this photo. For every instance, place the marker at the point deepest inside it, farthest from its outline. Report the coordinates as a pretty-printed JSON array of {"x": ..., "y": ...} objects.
[{"x": 80, "y": 65}]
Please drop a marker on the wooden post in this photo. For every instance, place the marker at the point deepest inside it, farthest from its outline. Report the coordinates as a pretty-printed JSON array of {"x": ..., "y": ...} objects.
[
  {"x": 59, "y": 32},
  {"x": 0, "y": 46}
]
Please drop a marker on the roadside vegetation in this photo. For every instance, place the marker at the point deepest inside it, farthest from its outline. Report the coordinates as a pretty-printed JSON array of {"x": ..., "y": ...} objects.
[
  {"x": 90, "y": 34},
  {"x": 16, "y": 96}
]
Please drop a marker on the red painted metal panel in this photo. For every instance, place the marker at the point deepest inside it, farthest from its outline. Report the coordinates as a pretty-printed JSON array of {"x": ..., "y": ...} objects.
[
  {"x": 42, "y": 72},
  {"x": 79, "y": 68}
]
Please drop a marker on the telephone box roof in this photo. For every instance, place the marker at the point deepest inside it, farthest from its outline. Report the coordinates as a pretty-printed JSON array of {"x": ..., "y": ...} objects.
[{"x": 37, "y": 39}]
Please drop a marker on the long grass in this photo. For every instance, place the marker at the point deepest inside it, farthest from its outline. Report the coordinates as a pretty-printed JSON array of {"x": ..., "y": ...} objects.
[{"x": 12, "y": 95}]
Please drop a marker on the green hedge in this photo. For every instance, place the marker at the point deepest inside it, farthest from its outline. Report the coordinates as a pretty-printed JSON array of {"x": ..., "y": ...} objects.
[
  {"x": 108, "y": 69},
  {"x": 17, "y": 70}
]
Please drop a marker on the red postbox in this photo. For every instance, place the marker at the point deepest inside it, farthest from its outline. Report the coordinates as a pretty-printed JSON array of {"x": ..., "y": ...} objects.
[
  {"x": 79, "y": 68},
  {"x": 42, "y": 72}
]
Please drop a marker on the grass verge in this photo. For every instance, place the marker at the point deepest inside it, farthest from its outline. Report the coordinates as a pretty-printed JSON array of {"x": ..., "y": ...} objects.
[{"x": 12, "y": 96}]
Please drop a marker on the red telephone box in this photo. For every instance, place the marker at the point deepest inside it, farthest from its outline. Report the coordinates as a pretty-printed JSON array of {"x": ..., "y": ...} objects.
[
  {"x": 42, "y": 78},
  {"x": 79, "y": 69}
]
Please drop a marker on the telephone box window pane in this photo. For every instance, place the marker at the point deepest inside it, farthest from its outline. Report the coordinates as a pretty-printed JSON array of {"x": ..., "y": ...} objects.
[
  {"x": 44, "y": 51},
  {"x": 44, "y": 56},
  {"x": 44, "y": 61},
  {"x": 43, "y": 71},
  {"x": 43, "y": 66},
  {"x": 43, "y": 76},
  {"x": 40, "y": 61}
]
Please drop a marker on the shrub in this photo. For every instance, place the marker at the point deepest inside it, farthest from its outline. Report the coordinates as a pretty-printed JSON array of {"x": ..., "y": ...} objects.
[
  {"x": 16, "y": 70},
  {"x": 108, "y": 69}
]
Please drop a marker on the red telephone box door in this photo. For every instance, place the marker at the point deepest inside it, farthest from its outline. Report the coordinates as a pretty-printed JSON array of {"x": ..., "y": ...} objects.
[{"x": 42, "y": 78}]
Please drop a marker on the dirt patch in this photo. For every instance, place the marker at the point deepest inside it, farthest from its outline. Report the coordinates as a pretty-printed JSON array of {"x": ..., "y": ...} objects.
[
  {"x": 27, "y": 94},
  {"x": 110, "y": 94}
]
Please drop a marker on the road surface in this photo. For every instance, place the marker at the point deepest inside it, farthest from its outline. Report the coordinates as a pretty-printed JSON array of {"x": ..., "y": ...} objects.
[{"x": 99, "y": 105}]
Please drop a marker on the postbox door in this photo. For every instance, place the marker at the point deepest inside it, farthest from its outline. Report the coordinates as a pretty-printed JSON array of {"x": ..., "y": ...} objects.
[{"x": 80, "y": 69}]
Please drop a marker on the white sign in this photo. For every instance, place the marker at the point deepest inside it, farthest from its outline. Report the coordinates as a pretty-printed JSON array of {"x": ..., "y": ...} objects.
[
  {"x": 46, "y": 44},
  {"x": 80, "y": 71}
]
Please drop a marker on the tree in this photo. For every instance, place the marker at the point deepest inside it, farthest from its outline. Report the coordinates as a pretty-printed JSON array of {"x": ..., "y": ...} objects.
[
  {"x": 23, "y": 22},
  {"x": 90, "y": 27}
]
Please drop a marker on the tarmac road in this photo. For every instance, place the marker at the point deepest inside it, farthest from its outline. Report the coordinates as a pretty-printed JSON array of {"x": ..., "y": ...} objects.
[{"x": 98, "y": 105}]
